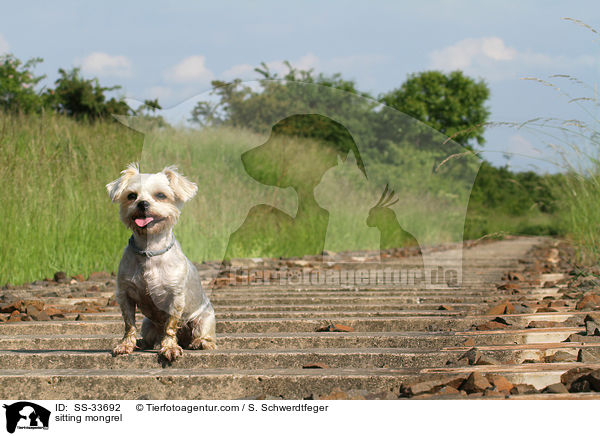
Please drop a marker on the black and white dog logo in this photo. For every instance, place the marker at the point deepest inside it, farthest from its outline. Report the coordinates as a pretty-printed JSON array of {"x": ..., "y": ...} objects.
[{"x": 26, "y": 415}]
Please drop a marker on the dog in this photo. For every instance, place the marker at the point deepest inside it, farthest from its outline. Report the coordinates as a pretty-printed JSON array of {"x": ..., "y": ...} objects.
[{"x": 154, "y": 274}]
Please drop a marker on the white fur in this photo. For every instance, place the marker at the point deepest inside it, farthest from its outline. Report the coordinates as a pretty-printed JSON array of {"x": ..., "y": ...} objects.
[{"x": 165, "y": 288}]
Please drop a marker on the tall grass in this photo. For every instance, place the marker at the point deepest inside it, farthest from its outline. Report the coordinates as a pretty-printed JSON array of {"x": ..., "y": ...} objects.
[
  {"x": 581, "y": 215},
  {"x": 577, "y": 153},
  {"x": 57, "y": 214},
  {"x": 55, "y": 211},
  {"x": 576, "y": 142},
  {"x": 227, "y": 193}
]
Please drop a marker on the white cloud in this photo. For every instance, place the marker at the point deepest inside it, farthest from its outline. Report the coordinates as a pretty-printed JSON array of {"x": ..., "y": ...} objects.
[
  {"x": 347, "y": 65},
  {"x": 471, "y": 51},
  {"x": 520, "y": 146},
  {"x": 103, "y": 64},
  {"x": 491, "y": 58},
  {"x": 4, "y": 47},
  {"x": 494, "y": 48},
  {"x": 246, "y": 71},
  {"x": 240, "y": 71},
  {"x": 190, "y": 70},
  {"x": 306, "y": 62},
  {"x": 184, "y": 79}
]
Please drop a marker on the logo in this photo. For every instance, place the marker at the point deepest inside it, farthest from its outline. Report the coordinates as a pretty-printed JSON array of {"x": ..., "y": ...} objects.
[{"x": 26, "y": 415}]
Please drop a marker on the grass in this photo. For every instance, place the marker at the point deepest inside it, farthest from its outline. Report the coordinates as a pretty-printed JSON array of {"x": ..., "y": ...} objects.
[
  {"x": 500, "y": 224},
  {"x": 55, "y": 209},
  {"x": 227, "y": 193},
  {"x": 59, "y": 218},
  {"x": 576, "y": 142},
  {"x": 581, "y": 214}
]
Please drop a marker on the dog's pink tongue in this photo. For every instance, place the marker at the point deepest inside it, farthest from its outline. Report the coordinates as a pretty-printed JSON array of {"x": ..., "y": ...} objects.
[{"x": 143, "y": 222}]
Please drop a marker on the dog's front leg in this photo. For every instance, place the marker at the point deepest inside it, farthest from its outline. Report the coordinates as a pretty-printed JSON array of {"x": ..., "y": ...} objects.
[
  {"x": 169, "y": 348},
  {"x": 127, "y": 344}
]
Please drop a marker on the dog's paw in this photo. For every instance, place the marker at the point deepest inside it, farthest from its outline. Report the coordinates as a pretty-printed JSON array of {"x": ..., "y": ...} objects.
[
  {"x": 171, "y": 352},
  {"x": 203, "y": 344},
  {"x": 123, "y": 348}
]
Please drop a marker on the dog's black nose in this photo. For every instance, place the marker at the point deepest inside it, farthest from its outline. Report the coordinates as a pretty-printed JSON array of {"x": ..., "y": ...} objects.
[{"x": 143, "y": 205}]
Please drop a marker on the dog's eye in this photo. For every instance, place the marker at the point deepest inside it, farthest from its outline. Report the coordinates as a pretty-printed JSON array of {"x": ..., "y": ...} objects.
[
  {"x": 160, "y": 196},
  {"x": 132, "y": 196}
]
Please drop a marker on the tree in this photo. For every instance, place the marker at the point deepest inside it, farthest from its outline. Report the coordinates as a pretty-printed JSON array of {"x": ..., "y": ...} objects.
[
  {"x": 146, "y": 113},
  {"x": 17, "y": 85},
  {"x": 240, "y": 105},
  {"x": 83, "y": 98},
  {"x": 149, "y": 106},
  {"x": 452, "y": 104}
]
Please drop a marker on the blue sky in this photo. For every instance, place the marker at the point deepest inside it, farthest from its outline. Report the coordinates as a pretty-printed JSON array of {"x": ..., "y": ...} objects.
[{"x": 173, "y": 51}]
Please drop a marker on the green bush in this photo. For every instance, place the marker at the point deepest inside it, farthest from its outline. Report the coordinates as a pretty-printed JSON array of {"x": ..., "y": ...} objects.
[
  {"x": 17, "y": 85},
  {"x": 83, "y": 98}
]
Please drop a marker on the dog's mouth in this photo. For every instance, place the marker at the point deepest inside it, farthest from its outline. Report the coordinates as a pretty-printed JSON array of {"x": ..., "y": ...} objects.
[{"x": 146, "y": 221}]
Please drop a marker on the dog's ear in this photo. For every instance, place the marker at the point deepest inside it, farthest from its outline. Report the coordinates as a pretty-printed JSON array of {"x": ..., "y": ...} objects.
[
  {"x": 116, "y": 187},
  {"x": 183, "y": 189}
]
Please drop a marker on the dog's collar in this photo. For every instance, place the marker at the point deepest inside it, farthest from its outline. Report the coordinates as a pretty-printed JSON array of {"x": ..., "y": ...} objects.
[{"x": 149, "y": 253}]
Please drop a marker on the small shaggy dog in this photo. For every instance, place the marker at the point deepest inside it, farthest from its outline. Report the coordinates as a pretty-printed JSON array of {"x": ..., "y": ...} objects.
[{"x": 154, "y": 274}]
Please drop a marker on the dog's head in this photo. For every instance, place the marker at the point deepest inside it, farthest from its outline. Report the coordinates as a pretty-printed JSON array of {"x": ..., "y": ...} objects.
[{"x": 150, "y": 203}]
